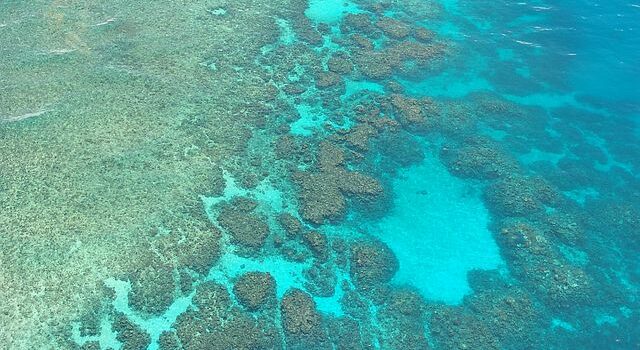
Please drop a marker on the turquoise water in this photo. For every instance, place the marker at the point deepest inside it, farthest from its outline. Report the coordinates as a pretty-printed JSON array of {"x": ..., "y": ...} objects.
[
  {"x": 438, "y": 229},
  {"x": 343, "y": 175}
]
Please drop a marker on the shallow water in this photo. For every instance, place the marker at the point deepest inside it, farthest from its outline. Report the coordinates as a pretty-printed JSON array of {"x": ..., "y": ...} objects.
[{"x": 320, "y": 175}]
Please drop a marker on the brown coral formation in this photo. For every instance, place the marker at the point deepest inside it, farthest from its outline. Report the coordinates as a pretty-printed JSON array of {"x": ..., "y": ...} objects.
[
  {"x": 302, "y": 324},
  {"x": 323, "y": 192},
  {"x": 380, "y": 64},
  {"x": 518, "y": 195},
  {"x": 534, "y": 259},
  {"x": 217, "y": 324},
  {"x": 291, "y": 224},
  {"x": 454, "y": 329},
  {"x": 328, "y": 79},
  {"x": 340, "y": 63},
  {"x": 478, "y": 160},
  {"x": 321, "y": 280},
  {"x": 372, "y": 264},
  {"x": 152, "y": 287},
  {"x": 402, "y": 318},
  {"x": 393, "y": 28},
  {"x": 255, "y": 290},
  {"x": 247, "y": 228},
  {"x": 129, "y": 334},
  {"x": 318, "y": 244}
]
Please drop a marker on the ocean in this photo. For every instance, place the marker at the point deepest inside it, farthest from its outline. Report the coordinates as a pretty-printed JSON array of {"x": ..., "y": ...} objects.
[{"x": 319, "y": 174}]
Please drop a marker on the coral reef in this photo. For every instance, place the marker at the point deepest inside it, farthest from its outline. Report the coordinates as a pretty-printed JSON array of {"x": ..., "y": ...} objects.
[
  {"x": 453, "y": 329},
  {"x": 192, "y": 244},
  {"x": 302, "y": 324},
  {"x": 255, "y": 290},
  {"x": 152, "y": 286},
  {"x": 323, "y": 191},
  {"x": 317, "y": 243},
  {"x": 533, "y": 259},
  {"x": 520, "y": 196},
  {"x": 130, "y": 335},
  {"x": 321, "y": 280},
  {"x": 169, "y": 341},
  {"x": 138, "y": 113},
  {"x": 411, "y": 112},
  {"x": 237, "y": 330},
  {"x": 174, "y": 123},
  {"x": 358, "y": 22},
  {"x": 372, "y": 264},
  {"x": 340, "y": 63},
  {"x": 393, "y": 28},
  {"x": 290, "y": 223},
  {"x": 217, "y": 324},
  {"x": 247, "y": 229},
  {"x": 328, "y": 79},
  {"x": 92, "y": 345},
  {"x": 345, "y": 334},
  {"x": 402, "y": 320},
  {"x": 396, "y": 57},
  {"x": 423, "y": 35},
  {"x": 477, "y": 159}
]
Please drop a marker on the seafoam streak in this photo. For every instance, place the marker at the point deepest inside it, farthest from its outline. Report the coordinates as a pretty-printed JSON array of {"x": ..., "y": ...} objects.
[{"x": 17, "y": 118}]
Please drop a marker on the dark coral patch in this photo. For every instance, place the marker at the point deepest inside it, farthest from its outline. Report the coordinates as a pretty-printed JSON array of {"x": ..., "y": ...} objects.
[
  {"x": 129, "y": 334},
  {"x": 152, "y": 286},
  {"x": 323, "y": 191},
  {"x": 402, "y": 318},
  {"x": 302, "y": 323},
  {"x": 478, "y": 160},
  {"x": 372, "y": 264},
  {"x": 393, "y": 28},
  {"x": 318, "y": 244},
  {"x": 247, "y": 229},
  {"x": 255, "y": 290},
  {"x": 520, "y": 196}
]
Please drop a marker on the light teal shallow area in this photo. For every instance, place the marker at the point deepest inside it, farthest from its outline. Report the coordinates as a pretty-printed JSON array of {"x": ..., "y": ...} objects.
[
  {"x": 330, "y": 11},
  {"x": 439, "y": 231},
  {"x": 321, "y": 174}
]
